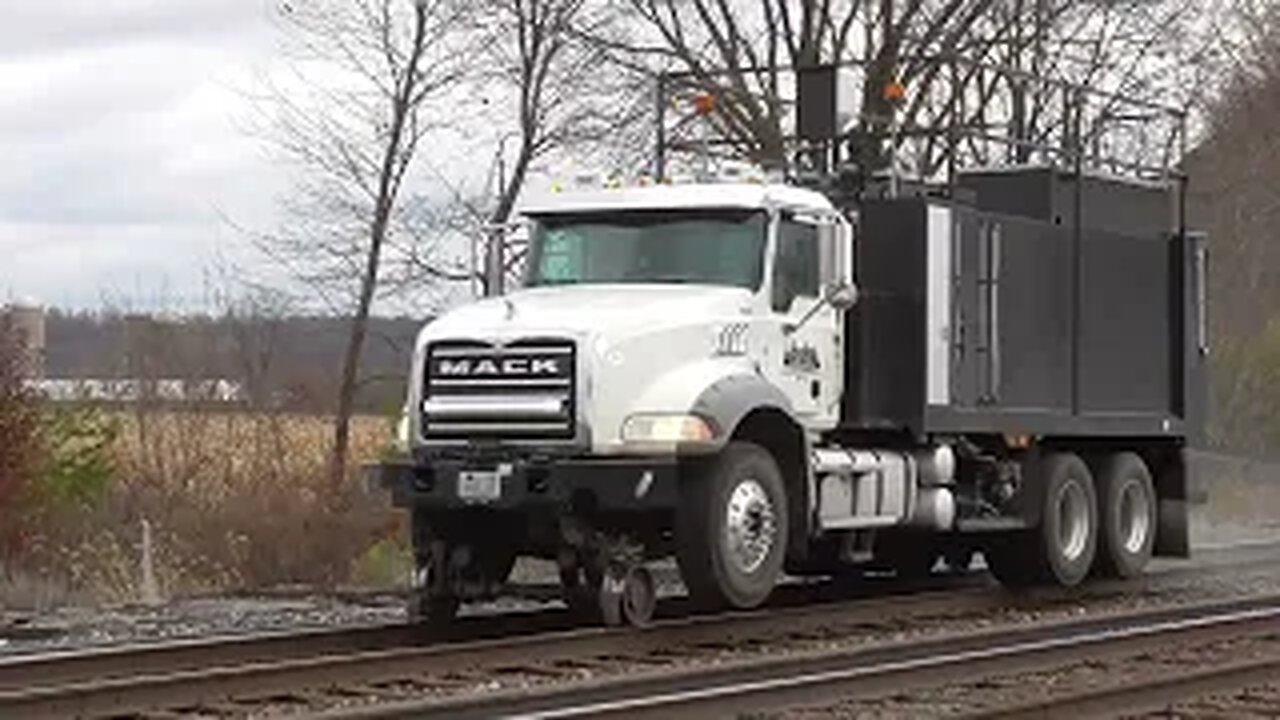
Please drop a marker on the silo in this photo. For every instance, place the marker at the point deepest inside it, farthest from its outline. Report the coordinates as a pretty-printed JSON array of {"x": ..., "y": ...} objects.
[{"x": 27, "y": 321}]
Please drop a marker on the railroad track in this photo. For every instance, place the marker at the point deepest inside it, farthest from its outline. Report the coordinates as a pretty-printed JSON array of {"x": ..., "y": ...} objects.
[
  {"x": 533, "y": 653},
  {"x": 754, "y": 688},
  {"x": 194, "y": 674}
]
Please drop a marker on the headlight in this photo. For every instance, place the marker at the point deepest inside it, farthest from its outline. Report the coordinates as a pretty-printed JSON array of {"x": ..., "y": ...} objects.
[{"x": 667, "y": 429}]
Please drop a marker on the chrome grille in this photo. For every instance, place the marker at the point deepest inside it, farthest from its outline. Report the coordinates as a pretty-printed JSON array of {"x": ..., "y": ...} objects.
[{"x": 518, "y": 390}]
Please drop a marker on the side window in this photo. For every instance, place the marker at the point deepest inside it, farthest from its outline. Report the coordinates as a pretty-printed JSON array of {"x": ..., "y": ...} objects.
[{"x": 795, "y": 272}]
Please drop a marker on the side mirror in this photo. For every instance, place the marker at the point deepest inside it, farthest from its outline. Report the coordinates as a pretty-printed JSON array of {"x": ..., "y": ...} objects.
[
  {"x": 841, "y": 295},
  {"x": 835, "y": 248},
  {"x": 828, "y": 253}
]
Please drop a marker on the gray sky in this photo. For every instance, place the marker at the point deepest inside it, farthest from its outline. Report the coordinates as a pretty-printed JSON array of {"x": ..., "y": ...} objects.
[{"x": 121, "y": 147}]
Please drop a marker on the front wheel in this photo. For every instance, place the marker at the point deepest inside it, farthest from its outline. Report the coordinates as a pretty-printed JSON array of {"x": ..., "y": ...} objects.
[
  {"x": 431, "y": 603},
  {"x": 732, "y": 528}
]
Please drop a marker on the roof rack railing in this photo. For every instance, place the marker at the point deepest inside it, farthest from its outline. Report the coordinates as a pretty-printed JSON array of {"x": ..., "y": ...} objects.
[{"x": 958, "y": 114}]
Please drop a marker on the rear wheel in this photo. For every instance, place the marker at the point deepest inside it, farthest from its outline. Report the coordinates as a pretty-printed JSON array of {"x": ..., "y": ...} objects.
[
  {"x": 732, "y": 528},
  {"x": 1061, "y": 550},
  {"x": 1127, "y": 504}
]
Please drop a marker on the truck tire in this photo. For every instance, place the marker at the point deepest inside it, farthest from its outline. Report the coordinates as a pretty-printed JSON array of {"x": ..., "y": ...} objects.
[
  {"x": 1127, "y": 509},
  {"x": 732, "y": 528},
  {"x": 430, "y": 605},
  {"x": 1061, "y": 550}
]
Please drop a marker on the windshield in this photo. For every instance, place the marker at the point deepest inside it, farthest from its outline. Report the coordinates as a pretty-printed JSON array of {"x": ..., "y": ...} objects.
[{"x": 711, "y": 247}]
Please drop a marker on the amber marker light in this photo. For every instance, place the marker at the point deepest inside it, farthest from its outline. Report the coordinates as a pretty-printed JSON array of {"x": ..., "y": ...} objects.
[{"x": 704, "y": 103}]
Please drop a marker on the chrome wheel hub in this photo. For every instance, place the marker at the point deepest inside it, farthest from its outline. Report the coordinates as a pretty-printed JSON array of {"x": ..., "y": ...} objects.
[
  {"x": 1074, "y": 522},
  {"x": 1135, "y": 516},
  {"x": 750, "y": 526}
]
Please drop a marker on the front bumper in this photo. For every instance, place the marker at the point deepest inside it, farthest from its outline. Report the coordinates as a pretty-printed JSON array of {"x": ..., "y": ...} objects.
[{"x": 633, "y": 484}]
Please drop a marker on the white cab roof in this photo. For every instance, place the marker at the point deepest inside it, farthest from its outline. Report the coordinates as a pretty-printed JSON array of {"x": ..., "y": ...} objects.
[{"x": 656, "y": 197}]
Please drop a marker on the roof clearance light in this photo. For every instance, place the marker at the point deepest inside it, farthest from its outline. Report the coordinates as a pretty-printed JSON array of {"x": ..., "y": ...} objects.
[
  {"x": 895, "y": 91},
  {"x": 704, "y": 103}
]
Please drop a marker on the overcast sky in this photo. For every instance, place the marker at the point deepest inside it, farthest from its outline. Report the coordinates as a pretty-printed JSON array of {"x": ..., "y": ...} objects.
[{"x": 121, "y": 147}]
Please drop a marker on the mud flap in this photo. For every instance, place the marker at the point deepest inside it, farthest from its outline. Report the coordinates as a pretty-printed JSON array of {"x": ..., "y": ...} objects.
[
  {"x": 1173, "y": 531},
  {"x": 1173, "y": 515}
]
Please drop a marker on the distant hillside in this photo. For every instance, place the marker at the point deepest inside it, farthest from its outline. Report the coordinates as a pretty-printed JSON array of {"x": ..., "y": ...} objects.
[
  {"x": 287, "y": 362},
  {"x": 1235, "y": 198}
]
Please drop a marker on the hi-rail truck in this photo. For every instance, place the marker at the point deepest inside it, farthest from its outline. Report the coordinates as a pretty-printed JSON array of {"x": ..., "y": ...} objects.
[{"x": 880, "y": 369}]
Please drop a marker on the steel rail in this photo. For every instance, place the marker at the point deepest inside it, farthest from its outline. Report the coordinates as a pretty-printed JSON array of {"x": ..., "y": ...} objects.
[
  {"x": 1146, "y": 695},
  {"x": 24, "y": 671},
  {"x": 803, "y": 680},
  {"x": 129, "y": 680},
  {"x": 188, "y": 673}
]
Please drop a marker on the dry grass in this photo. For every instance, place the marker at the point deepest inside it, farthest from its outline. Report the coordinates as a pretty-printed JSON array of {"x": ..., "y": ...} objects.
[
  {"x": 1242, "y": 500},
  {"x": 235, "y": 501}
]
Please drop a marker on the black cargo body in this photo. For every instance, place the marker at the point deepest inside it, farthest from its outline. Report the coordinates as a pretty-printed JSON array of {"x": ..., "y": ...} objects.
[
  {"x": 1126, "y": 206},
  {"x": 1024, "y": 321}
]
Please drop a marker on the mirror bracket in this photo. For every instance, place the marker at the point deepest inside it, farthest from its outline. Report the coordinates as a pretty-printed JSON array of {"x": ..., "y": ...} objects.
[{"x": 840, "y": 296}]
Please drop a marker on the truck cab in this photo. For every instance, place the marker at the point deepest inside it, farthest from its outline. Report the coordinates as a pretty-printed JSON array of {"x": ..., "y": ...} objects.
[
  {"x": 637, "y": 304},
  {"x": 658, "y": 329}
]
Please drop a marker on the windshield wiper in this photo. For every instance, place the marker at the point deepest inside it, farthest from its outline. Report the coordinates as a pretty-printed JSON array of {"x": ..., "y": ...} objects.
[{"x": 669, "y": 279}]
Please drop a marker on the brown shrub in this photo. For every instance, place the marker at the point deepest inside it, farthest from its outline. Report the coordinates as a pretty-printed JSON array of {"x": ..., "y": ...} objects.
[
  {"x": 236, "y": 501},
  {"x": 19, "y": 440}
]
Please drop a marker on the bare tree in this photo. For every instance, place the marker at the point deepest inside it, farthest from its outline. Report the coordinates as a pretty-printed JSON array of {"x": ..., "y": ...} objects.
[
  {"x": 1233, "y": 175},
  {"x": 547, "y": 90},
  {"x": 564, "y": 97},
  {"x": 351, "y": 116},
  {"x": 739, "y": 52}
]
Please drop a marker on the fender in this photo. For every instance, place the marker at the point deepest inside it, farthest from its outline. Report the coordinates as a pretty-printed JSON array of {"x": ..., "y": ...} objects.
[
  {"x": 722, "y": 390},
  {"x": 730, "y": 399}
]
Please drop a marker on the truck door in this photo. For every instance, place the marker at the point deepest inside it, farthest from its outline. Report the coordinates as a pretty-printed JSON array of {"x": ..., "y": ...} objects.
[{"x": 808, "y": 362}]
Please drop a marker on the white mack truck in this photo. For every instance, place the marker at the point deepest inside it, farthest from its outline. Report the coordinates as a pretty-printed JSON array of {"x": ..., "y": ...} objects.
[{"x": 758, "y": 382}]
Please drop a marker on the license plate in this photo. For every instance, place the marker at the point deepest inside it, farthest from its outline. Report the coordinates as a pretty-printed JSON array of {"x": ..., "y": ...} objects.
[{"x": 480, "y": 485}]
